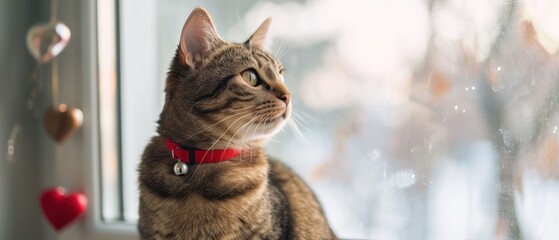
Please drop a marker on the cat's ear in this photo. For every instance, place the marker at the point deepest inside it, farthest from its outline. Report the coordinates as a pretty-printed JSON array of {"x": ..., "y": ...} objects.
[
  {"x": 258, "y": 38},
  {"x": 198, "y": 37}
]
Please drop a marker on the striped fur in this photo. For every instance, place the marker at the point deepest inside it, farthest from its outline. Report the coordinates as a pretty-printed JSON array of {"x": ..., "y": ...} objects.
[{"x": 209, "y": 105}]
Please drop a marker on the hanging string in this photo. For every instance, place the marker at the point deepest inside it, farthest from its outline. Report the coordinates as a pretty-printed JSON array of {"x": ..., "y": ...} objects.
[
  {"x": 53, "y": 10},
  {"x": 33, "y": 94},
  {"x": 57, "y": 165},
  {"x": 54, "y": 64},
  {"x": 54, "y": 79},
  {"x": 35, "y": 74},
  {"x": 54, "y": 85}
]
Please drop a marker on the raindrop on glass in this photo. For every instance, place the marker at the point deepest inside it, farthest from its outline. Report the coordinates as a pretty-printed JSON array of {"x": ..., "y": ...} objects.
[{"x": 11, "y": 150}]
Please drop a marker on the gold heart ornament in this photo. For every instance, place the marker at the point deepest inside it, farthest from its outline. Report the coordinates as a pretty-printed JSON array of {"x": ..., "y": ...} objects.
[{"x": 61, "y": 122}]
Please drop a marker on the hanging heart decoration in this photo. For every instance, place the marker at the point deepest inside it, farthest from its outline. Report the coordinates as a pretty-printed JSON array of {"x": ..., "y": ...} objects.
[
  {"x": 61, "y": 122},
  {"x": 46, "y": 41},
  {"x": 61, "y": 209}
]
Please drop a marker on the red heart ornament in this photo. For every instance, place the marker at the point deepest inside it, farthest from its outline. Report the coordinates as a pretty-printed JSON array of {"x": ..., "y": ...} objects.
[{"x": 60, "y": 209}]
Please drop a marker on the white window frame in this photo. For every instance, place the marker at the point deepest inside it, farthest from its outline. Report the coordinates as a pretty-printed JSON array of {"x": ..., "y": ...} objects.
[{"x": 83, "y": 152}]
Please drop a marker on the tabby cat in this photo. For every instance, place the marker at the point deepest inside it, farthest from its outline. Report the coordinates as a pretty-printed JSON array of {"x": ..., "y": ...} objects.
[{"x": 222, "y": 95}]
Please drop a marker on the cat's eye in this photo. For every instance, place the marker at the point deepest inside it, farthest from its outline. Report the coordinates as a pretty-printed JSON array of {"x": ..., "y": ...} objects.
[{"x": 250, "y": 77}]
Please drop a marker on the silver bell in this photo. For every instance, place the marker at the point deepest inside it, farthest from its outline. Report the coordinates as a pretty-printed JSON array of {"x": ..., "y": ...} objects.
[{"x": 180, "y": 168}]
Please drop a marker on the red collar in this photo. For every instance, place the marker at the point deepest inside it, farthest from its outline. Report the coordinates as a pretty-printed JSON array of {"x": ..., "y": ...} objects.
[{"x": 193, "y": 156}]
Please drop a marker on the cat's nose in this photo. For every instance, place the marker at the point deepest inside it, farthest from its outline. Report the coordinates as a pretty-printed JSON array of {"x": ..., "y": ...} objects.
[{"x": 285, "y": 98}]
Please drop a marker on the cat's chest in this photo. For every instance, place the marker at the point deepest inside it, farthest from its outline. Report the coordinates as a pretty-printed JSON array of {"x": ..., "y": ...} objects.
[{"x": 218, "y": 220}]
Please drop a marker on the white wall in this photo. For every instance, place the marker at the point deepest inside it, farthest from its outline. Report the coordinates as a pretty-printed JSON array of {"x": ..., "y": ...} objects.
[
  {"x": 22, "y": 181},
  {"x": 19, "y": 182}
]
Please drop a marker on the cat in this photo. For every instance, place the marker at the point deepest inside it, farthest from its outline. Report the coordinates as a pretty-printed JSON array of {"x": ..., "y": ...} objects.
[{"x": 222, "y": 95}]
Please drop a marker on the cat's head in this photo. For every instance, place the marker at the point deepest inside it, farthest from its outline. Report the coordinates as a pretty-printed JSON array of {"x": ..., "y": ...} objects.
[{"x": 221, "y": 94}]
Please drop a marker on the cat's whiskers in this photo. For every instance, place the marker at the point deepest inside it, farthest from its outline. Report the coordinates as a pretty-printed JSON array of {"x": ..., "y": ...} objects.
[
  {"x": 249, "y": 123},
  {"x": 244, "y": 139},
  {"x": 224, "y": 132},
  {"x": 294, "y": 122},
  {"x": 284, "y": 51},
  {"x": 222, "y": 120},
  {"x": 303, "y": 116},
  {"x": 302, "y": 119},
  {"x": 241, "y": 22},
  {"x": 248, "y": 145},
  {"x": 298, "y": 133},
  {"x": 233, "y": 137},
  {"x": 274, "y": 50},
  {"x": 187, "y": 114},
  {"x": 254, "y": 134},
  {"x": 279, "y": 50},
  {"x": 219, "y": 138}
]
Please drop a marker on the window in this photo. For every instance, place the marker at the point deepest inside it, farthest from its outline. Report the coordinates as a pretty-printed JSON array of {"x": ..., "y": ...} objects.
[{"x": 416, "y": 119}]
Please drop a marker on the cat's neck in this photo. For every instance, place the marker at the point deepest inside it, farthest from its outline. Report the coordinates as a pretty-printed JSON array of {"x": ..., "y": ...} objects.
[
  {"x": 205, "y": 142},
  {"x": 188, "y": 135},
  {"x": 245, "y": 174}
]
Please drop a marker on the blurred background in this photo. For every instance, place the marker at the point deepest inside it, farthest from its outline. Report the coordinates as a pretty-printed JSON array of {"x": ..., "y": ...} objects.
[{"x": 415, "y": 119}]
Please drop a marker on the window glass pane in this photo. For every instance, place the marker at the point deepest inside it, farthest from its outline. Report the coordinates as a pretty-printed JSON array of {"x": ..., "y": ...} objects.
[
  {"x": 141, "y": 92},
  {"x": 414, "y": 119},
  {"x": 108, "y": 111}
]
